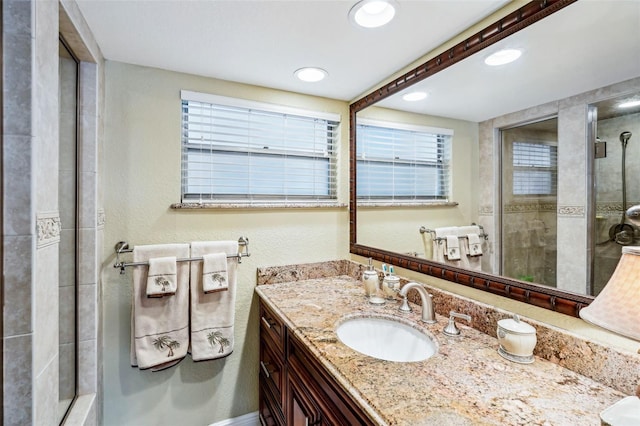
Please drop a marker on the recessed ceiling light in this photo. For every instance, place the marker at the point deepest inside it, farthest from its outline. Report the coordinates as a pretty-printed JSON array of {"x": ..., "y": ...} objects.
[
  {"x": 373, "y": 13},
  {"x": 310, "y": 74},
  {"x": 502, "y": 57},
  {"x": 629, "y": 104},
  {"x": 414, "y": 96}
]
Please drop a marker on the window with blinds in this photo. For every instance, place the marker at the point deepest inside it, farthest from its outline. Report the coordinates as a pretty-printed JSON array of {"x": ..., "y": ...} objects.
[
  {"x": 535, "y": 168},
  {"x": 402, "y": 163},
  {"x": 241, "y": 151}
]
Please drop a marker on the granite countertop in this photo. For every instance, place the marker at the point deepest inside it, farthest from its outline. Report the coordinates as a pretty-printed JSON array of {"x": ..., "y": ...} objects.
[{"x": 465, "y": 383}]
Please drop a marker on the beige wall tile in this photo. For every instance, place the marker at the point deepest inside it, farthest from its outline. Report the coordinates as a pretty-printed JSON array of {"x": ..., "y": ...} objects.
[
  {"x": 46, "y": 307},
  {"x": 18, "y": 287},
  {"x": 18, "y": 379},
  {"x": 46, "y": 395}
]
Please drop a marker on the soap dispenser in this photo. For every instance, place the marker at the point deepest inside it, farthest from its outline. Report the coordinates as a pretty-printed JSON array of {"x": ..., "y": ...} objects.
[
  {"x": 372, "y": 284},
  {"x": 370, "y": 279}
]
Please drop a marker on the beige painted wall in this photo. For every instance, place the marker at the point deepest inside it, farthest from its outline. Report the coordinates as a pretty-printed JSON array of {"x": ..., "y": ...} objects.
[{"x": 142, "y": 179}]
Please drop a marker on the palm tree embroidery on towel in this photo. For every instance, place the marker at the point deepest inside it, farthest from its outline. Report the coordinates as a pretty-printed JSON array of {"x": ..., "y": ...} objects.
[
  {"x": 217, "y": 279},
  {"x": 163, "y": 282},
  {"x": 216, "y": 337},
  {"x": 166, "y": 342}
]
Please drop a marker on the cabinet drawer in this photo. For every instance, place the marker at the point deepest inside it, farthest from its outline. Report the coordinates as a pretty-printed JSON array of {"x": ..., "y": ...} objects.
[
  {"x": 272, "y": 329},
  {"x": 272, "y": 371},
  {"x": 270, "y": 411}
]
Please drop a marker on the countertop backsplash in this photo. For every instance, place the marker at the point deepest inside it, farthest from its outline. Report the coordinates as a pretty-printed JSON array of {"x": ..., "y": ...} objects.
[{"x": 615, "y": 368}]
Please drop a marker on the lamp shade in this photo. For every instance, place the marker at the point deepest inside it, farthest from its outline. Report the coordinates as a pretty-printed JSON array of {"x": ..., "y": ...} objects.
[{"x": 617, "y": 307}]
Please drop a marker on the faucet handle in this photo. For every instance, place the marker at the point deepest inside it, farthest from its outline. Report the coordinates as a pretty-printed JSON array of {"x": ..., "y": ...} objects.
[
  {"x": 404, "y": 305},
  {"x": 451, "y": 329}
]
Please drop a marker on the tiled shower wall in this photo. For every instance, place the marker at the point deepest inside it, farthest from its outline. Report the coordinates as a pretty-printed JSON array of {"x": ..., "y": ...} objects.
[
  {"x": 32, "y": 222},
  {"x": 608, "y": 175},
  {"x": 573, "y": 235}
]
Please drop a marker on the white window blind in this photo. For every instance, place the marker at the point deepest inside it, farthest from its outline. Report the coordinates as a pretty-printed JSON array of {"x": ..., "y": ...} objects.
[
  {"x": 399, "y": 163},
  {"x": 535, "y": 168},
  {"x": 240, "y": 151}
]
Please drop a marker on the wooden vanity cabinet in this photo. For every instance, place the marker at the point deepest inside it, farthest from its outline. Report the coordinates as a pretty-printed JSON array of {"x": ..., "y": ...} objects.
[
  {"x": 295, "y": 390},
  {"x": 272, "y": 370},
  {"x": 328, "y": 403}
]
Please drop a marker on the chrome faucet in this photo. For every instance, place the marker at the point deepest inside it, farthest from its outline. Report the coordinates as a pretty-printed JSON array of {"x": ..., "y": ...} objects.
[{"x": 428, "y": 314}]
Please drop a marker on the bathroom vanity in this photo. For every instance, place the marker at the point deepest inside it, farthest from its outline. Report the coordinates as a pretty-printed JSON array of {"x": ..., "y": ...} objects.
[
  {"x": 294, "y": 388},
  {"x": 308, "y": 376}
]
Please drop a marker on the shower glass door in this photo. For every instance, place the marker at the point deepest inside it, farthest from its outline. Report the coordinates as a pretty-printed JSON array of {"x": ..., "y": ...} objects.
[
  {"x": 529, "y": 201},
  {"x": 68, "y": 206}
]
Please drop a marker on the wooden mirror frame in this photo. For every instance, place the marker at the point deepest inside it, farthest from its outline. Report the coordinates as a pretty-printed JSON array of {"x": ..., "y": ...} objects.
[{"x": 538, "y": 295}]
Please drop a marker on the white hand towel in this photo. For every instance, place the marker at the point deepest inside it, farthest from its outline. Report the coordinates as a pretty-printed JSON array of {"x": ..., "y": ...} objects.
[
  {"x": 446, "y": 231},
  {"x": 468, "y": 229},
  {"x": 161, "y": 279},
  {"x": 213, "y": 314},
  {"x": 214, "y": 272},
  {"x": 159, "y": 326},
  {"x": 475, "y": 246},
  {"x": 453, "y": 247}
]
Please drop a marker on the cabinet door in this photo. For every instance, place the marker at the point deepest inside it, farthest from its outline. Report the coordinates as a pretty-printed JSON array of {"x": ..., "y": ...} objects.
[
  {"x": 270, "y": 412},
  {"x": 301, "y": 408},
  {"x": 333, "y": 406}
]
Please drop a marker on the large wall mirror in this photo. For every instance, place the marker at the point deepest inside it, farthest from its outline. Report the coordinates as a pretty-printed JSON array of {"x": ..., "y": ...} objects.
[{"x": 524, "y": 162}]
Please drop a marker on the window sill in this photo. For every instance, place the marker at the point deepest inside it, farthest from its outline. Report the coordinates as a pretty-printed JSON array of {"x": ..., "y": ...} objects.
[
  {"x": 265, "y": 205},
  {"x": 400, "y": 204}
]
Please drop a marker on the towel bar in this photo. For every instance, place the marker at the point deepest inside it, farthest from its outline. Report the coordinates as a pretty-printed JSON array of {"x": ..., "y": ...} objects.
[
  {"x": 123, "y": 247},
  {"x": 482, "y": 234}
]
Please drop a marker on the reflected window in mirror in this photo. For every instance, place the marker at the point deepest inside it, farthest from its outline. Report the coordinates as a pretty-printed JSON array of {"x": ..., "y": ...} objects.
[
  {"x": 535, "y": 168},
  {"x": 399, "y": 163}
]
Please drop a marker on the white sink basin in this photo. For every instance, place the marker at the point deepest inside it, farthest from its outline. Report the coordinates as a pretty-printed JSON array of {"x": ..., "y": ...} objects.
[{"x": 387, "y": 339}]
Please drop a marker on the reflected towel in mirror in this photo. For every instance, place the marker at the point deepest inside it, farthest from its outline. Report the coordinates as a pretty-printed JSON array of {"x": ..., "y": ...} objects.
[{"x": 453, "y": 247}]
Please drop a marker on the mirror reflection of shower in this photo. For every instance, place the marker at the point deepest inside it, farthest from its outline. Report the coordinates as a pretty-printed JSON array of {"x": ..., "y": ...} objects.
[
  {"x": 614, "y": 193},
  {"x": 529, "y": 168},
  {"x": 623, "y": 233}
]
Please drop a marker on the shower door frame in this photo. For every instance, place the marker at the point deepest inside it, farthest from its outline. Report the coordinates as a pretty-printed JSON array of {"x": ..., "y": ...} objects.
[
  {"x": 499, "y": 261},
  {"x": 592, "y": 132}
]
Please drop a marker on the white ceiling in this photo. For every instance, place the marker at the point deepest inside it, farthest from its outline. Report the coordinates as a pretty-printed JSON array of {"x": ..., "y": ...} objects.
[
  {"x": 587, "y": 45},
  {"x": 264, "y": 42}
]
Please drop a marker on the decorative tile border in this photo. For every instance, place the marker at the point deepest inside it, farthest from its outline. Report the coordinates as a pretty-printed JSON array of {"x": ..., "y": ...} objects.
[
  {"x": 605, "y": 209},
  {"x": 101, "y": 219},
  {"x": 572, "y": 211},
  {"x": 610, "y": 209},
  {"x": 48, "y": 227},
  {"x": 529, "y": 207},
  {"x": 485, "y": 210}
]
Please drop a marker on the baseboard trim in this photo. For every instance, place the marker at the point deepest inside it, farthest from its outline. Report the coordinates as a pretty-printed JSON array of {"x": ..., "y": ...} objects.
[{"x": 250, "y": 419}]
